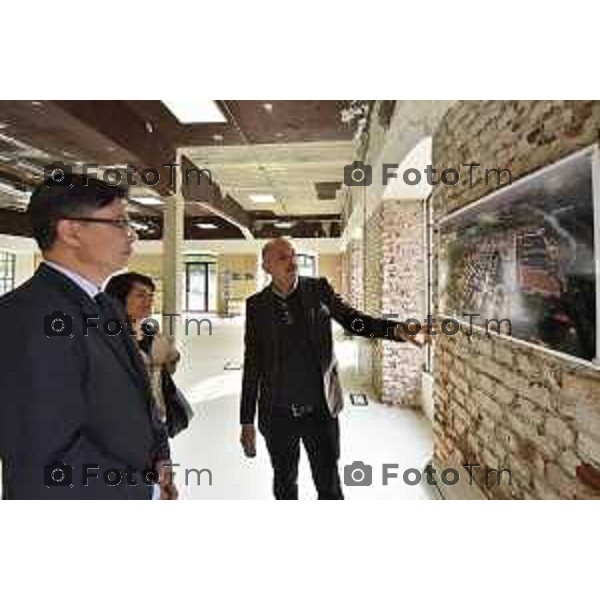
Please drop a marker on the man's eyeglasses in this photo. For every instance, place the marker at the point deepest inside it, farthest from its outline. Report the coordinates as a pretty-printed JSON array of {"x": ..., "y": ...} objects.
[{"x": 122, "y": 223}]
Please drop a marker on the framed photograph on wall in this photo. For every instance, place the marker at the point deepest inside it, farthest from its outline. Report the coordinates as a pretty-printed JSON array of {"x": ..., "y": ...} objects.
[{"x": 530, "y": 252}]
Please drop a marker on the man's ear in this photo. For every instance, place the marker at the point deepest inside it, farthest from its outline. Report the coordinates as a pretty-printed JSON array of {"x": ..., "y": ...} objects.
[{"x": 68, "y": 232}]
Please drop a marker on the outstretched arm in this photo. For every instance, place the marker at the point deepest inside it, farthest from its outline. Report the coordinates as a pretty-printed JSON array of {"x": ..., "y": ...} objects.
[{"x": 358, "y": 323}]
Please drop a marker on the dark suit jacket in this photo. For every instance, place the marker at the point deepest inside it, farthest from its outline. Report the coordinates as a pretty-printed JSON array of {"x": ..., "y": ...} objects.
[
  {"x": 320, "y": 304},
  {"x": 79, "y": 399}
]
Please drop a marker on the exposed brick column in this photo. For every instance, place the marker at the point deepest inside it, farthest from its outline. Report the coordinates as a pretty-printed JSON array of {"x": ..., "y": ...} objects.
[
  {"x": 372, "y": 356},
  {"x": 402, "y": 293},
  {"x": 393, "y": 283}
]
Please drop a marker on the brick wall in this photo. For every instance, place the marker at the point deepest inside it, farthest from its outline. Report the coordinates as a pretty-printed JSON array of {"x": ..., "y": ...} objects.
[
  {"x": 498, "y": 402},
  {"x": 402, "y": 287},
  {"x": 518, "y": 135},
  {"x": 354, "y": 261},
  {"x": 373, "y": 278},
  {"x": 504, "y": 405},
  {"x": 345, "y": 274},
  {"x": 394, "y": 260}
]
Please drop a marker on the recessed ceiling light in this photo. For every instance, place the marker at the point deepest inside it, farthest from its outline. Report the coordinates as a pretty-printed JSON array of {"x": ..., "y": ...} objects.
[
  {"x": 195, "y": 111},
  {"x": 262, "y": 198},
  {"x": 36, "y": 103},
  {"x": 217, "y": 137},
  {"x": 268, "y": 107},
  {"x": 149, "y": 126},
  {"x": 147, "y": 200},
  {"x": 206, "y": 225},
  {"x": 140, "y": 226},
  {"x": 284, "y": 225}
]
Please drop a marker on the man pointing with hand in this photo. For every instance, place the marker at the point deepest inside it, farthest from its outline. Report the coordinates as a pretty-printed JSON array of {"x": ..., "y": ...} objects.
[{"x": 291, "y": 374}]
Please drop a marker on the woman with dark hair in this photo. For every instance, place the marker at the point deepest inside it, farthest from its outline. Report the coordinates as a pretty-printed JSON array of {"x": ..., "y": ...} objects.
[{"x": 135, "y": 292}]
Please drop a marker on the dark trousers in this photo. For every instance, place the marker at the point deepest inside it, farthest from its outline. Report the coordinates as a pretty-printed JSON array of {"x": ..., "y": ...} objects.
[{"x": 321, "y": 438}]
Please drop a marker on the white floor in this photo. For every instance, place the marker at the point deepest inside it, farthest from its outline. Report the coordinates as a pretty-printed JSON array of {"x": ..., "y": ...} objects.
[{"x": 374, "y": 434}]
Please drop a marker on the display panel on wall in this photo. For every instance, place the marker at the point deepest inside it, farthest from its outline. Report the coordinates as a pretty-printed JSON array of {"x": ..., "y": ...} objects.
[{"x": 530, "y": 252}]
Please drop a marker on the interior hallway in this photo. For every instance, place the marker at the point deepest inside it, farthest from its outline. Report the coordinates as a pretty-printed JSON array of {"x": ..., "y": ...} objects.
[{"x": 374, "y": 434}]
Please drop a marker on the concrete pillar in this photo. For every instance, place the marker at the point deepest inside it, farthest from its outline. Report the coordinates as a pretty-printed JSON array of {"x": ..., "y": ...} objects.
[{"x": 173, "y": 241}]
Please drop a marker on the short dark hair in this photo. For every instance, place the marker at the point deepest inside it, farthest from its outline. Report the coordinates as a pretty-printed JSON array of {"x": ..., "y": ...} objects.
[
  {"x": 76, "y": 196},
  {"x": 120, "y": 285}
]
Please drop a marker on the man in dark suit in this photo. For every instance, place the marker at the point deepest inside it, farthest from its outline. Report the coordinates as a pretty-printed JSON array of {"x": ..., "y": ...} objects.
[
  {"x": 290, "y": 371},
  {"x": 76, "y": 412}
]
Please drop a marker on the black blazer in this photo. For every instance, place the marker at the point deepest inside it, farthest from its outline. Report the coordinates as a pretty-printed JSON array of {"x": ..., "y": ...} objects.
[
  {"x": 320, "y": 304},
  {"x": 79, "y": 399}
]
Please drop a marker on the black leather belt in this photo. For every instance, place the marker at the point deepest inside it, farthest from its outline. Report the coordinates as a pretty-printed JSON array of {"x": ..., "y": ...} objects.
[{"x": 296, "y": 411}]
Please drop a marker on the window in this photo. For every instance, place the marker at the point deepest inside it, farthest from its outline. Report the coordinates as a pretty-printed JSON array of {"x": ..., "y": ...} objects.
[
  {"x": 307, "y": 265},
  {"x": 200, "y": 286},
  {"x": 7, "y": 272}
]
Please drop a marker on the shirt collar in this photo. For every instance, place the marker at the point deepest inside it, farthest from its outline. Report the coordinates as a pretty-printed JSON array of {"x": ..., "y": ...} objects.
[
  {"x": 91, "y": 289},
  {"x": 284, "y": 296}
]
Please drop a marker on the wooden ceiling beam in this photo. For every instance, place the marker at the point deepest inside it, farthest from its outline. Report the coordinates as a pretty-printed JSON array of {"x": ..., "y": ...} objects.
[
  {"x": 199, "y": 187},
  {"x": 116, "y": 121}
]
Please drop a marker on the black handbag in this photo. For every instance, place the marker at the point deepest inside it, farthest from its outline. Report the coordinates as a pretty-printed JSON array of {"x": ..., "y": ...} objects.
[{"x": 179, "y": 410}]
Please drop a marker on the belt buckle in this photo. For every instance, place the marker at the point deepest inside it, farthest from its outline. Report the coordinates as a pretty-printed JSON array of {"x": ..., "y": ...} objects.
[{"x": 297, "y": 410}]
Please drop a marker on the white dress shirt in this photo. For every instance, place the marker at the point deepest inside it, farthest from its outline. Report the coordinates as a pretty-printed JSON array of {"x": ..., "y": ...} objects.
[{"x": 91, "y": 289}]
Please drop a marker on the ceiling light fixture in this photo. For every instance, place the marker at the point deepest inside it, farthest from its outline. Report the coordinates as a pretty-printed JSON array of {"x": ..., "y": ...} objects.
[
  {"x": 195, "y": 111},
  {"x": 268, "y": 107},
  {"x": 142, "y": 227},
  {"x": 284, "y": 225},
  {"x": 217, "y": 137},
  {"x": 206, "y": 226},
  {"x": 147, "y": 200},
  {"x": 262, "y": 198}
]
